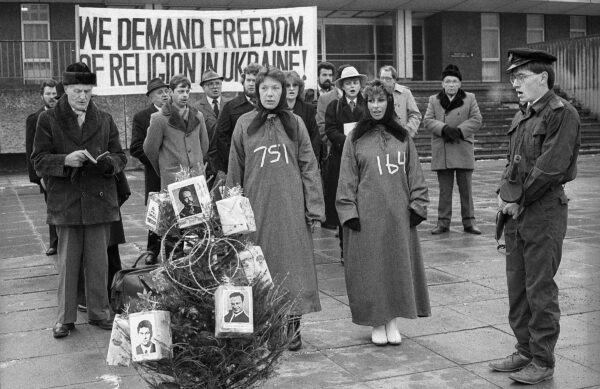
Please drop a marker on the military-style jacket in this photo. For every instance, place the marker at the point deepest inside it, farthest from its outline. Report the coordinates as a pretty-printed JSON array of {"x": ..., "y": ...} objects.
[{"x": 547, "y": 137}]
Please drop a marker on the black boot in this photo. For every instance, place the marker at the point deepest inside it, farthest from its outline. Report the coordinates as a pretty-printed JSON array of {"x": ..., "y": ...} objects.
[{"x": 294, "y": 333}]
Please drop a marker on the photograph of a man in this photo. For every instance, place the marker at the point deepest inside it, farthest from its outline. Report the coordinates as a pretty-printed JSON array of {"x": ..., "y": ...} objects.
[
  {"x": 146, "y": 346},
  {"x": 186, "y": 196},
  {"x": 236, "y": 314}
]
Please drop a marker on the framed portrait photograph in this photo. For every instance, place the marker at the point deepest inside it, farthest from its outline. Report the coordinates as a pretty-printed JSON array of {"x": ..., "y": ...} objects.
[
  {"x": 233, "y": 311},
  {"x": 191, "y": 201},
  {"x": 150, "y": 334}
]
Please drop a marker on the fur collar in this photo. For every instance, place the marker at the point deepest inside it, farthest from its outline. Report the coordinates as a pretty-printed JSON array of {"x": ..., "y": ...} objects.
[
  {"x": 68, "y": 120},
  {"x": 176, "y": 121},
  {"x": 456, "y": 102}
]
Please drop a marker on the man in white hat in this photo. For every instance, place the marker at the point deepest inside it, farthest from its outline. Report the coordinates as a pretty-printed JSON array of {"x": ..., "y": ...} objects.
[
  {"x": 341, "y": 116},
  {"x": 212, "y": 102}
]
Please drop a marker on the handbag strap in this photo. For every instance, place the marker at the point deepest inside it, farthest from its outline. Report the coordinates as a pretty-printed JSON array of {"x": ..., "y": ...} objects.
[{"x": 142, "y": 255}]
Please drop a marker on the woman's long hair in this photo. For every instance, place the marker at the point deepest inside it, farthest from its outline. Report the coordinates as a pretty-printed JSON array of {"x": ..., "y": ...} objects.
[
  {"x": 372, "y": 90},
  {"x": 281, "y": 110}
]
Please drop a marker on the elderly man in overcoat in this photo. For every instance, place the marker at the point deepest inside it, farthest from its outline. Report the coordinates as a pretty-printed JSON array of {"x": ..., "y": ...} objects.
[
  {"x": 453, "y": 117},
  {"x": 212, "y": 102},
  {"x": 158, "y": 94},
  {"x": 82, "y": 195}
]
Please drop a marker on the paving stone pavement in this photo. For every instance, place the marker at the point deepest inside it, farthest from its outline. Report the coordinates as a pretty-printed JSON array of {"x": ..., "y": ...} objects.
[{"x": 450, "y": 349}]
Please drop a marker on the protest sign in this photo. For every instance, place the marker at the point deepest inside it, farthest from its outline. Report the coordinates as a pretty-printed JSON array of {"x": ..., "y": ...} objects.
[{"x": 128, "y": 47}]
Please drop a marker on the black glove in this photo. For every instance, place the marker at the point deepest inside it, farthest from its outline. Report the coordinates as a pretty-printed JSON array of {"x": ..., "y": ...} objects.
[
  {"x": 105, "y": 166},
  {"x": 451, "y": 134},
  {"x": 353, "y": 224},
  {"x": 415, "y": 218}
]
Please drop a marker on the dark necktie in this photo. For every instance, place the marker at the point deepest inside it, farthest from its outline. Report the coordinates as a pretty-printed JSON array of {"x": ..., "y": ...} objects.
[
  {"x": 216, "y": 107},
  {"x": 352, "y": 105}
]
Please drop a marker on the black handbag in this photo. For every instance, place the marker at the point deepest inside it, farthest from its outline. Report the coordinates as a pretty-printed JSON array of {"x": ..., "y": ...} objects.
[{"x": 127, "y": 283}]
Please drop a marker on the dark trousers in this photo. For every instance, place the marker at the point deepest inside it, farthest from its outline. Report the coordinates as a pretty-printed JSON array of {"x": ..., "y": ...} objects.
[
  {"x": 446, "y": 182},
  {"x": 51, "y": 228},
  {"x": 534, "y": 250},
  {"x": 83, "y": 246}
]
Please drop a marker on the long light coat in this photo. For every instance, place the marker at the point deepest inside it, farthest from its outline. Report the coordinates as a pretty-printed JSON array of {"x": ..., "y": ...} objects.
[
  {"x": 280, "y": 176},
  {"x": 446, "y": 155},
  {"x": 380, "y": 182},
  {"x": 170, "y": 143}
]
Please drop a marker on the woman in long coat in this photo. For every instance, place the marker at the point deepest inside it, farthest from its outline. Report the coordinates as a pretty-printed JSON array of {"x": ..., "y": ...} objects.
[
  {"x": 272, "y": 158},
  {"x": 381, "y": 198},
  {"x": 453, "y": 117},
  {"x": 294, "y": 86}
]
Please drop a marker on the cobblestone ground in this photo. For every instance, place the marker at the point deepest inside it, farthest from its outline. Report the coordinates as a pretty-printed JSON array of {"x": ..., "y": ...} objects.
[{"x": 451, "y": 349}]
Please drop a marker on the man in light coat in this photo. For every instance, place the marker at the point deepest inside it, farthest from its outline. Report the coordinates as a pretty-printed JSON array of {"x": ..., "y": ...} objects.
[
  {"x": 453, "y": 117},
  {"x": 405, "y": 105},
  {"x": 82, "y": 194},
  {"x": 177, "y": 135}
]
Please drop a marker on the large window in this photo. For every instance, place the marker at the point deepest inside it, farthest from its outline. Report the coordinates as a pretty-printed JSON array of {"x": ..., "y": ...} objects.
[
  {"x": 578, "y": 27},
  {"x": 35, "y": 30},
  {"x": 535, "y": 28},
  {"x": 364, "y": 45},
  {"x": 490, "y": 47}
]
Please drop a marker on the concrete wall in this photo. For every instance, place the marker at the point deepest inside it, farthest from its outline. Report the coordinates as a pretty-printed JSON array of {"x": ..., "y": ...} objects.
[
  {"x": 10, "y": 21},
  {"x": 593, "y": 25},
  {"x": 513, "y": 33},
  {"x": 433, "y": 47}
]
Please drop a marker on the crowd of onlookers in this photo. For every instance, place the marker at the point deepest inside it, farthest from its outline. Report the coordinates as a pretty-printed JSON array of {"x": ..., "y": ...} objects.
[{"x": 340, "y": 156}]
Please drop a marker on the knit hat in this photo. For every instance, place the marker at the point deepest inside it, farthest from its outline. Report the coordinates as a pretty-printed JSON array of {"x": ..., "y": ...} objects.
[
  {"x": 78, "y": 73},
  {"x": 451, "y": 70}
]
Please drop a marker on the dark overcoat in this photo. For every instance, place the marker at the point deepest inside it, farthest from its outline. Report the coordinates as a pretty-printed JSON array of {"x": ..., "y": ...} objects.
[
  {"x": 338, "y": 112},
  {"x": 210, "y": 119},
  {"x": 84, "y": 195},
  {"x": 30, "y": 125},
  {"x": 141, "y": 122},
  {"x": 218, "y": 155},
  {"x": 307, "y": 112}
]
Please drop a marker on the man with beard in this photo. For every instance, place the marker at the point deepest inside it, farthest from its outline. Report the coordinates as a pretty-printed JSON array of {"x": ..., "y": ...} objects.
[
  {"x": 158, "y": 94},
  {"x": 49, "y": 98},
  {"x": 187, "y": 199},
  {"x": 218, "y": 154},
  {"x": 453, "y": 117},
  {"x": 325, "y": 70}
]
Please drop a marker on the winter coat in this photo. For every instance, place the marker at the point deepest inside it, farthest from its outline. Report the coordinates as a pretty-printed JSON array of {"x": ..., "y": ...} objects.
[
  {"x": 84, "y": 195},
  {"x": 30, "y": 125},
  {"x": 171, "y": 144},
  {"x": 280, "y": 176},
  {"x": 210, "y": 119},
  {"x": 406, "y": 109},
  {"x": 141, "y": 122},
  {"x": 307, "y": 113},
  {"x": 219, "y": 150},
  {"x": 465, "y": 116},
  {"x": 117, "y": 233},
  {"x": 380, "y": 182}
]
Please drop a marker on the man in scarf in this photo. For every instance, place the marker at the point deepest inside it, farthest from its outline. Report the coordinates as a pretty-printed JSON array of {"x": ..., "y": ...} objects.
[{"x": 453, "y": 117}]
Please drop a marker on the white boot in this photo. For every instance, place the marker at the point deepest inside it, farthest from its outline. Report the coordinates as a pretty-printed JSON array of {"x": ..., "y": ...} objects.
[
  {"x": 378, "y": 336},
  {"x": 392, "y": 333}
]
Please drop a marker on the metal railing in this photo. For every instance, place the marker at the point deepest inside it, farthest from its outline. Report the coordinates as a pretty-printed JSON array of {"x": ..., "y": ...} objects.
[
  {"x": 29, "y": 62},
  {"x": 577, "y": 68}
]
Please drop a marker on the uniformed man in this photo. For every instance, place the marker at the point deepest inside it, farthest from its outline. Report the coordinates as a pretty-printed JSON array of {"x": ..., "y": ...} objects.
[{"x": 543, "y": 150}]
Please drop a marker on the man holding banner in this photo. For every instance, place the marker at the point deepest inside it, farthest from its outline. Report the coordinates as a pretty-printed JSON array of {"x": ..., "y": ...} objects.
[{"x": 219, "y": 150}]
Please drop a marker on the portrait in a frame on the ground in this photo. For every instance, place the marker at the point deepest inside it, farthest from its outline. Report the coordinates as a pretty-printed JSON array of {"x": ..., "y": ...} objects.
[{"x": 191, "y": 200}]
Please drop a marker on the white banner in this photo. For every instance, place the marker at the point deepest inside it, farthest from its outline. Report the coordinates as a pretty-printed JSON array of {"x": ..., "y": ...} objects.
[{"x": 128, "y": 47}]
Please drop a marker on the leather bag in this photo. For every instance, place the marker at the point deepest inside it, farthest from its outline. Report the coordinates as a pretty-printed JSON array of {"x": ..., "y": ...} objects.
[{"x": 127, "y": 283}]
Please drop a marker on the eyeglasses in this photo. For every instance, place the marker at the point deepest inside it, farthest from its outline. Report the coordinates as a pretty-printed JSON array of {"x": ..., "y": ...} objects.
[{"x": 520, "y": 77}]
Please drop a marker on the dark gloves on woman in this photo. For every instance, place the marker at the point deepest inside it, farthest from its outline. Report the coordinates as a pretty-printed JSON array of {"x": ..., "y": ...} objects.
[
  {"x": 353, "y": 224},
  {"x": 451, "y": 134},
  {"x": 415, "y": 218}
]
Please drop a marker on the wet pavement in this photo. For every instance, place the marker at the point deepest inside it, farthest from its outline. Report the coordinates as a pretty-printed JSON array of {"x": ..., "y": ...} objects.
[{"x": 451, "y": 349}]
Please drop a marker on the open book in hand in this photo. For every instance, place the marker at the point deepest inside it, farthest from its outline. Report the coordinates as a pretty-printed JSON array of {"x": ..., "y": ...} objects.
[{"x": 91, "y": 158}]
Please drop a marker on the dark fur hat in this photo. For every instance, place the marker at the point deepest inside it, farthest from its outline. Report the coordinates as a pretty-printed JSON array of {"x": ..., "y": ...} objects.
[
  {"x": 451, "y": 70},
  {"x": 78, "y": 73}
]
